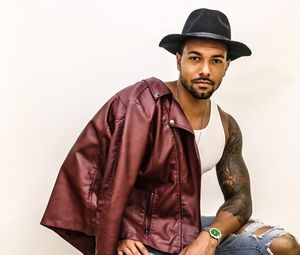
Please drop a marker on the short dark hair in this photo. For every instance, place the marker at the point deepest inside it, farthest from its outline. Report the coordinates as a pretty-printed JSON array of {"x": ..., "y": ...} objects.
[{"x": 180, "y": 50}]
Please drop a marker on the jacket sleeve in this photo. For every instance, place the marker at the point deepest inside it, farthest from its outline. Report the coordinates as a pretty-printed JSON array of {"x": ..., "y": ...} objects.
[
  {"x": 118, "y": 186},
  {"x": 71, "y": 210}
]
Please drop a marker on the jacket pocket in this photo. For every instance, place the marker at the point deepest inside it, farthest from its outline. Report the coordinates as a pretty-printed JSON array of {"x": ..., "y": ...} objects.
[{"x": 148, "y": 213}]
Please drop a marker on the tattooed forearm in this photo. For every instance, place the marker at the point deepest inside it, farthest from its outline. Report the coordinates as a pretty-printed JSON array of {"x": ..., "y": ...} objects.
[
  {"x": 234, "y": 182},
  {"x": 233, "y": 176}
]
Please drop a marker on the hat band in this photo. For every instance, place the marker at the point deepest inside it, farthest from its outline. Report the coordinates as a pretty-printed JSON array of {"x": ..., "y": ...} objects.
[{"x": 208, "y": 35}]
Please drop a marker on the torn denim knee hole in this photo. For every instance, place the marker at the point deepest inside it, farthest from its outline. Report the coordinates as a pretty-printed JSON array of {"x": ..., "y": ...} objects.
[
  {"x": 264, "y": 233},
  {"x": 254, "y": 227},
  {"x": 275, "y": 237},
  {"x": 278, "y": 230}
]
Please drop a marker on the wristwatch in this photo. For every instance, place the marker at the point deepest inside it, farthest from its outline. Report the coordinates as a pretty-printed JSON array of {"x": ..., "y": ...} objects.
[{"x": 214, "y": 233}]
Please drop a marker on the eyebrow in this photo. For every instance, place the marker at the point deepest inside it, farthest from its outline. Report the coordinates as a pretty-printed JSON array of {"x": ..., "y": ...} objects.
[
  {"x": 219, "y": 56},
  {"x": 199, "y": 54}
]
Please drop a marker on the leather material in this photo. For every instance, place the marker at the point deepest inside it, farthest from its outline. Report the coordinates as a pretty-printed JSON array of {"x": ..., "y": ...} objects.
[{"x": 134, "y": 172}]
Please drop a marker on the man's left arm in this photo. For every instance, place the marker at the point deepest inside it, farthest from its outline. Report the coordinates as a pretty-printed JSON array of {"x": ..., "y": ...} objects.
[{"x": 234, "y": 181}]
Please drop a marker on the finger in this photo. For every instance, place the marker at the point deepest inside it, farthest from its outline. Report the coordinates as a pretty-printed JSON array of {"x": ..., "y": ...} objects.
[
  {"x": 123, "y": 244},
  {"x": 120, "y": 253},
  {"x": 142, "y": 248},
  {"x": 133, "y": 248},
  {"x": 127, "y": 251},
  {"x": 182, "y": 252}
]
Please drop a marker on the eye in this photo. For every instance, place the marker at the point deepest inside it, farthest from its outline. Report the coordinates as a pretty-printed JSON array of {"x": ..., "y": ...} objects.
[
  {"x": 217, "y": 61},
  {"x": 194, "y": 58}
]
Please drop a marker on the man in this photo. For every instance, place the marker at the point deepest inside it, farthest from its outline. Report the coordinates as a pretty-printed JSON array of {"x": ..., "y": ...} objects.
[{"x": 131, "y": 183}]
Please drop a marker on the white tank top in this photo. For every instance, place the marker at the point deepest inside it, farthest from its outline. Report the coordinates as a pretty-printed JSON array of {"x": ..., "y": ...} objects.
[{"x": 211, "y": 140}]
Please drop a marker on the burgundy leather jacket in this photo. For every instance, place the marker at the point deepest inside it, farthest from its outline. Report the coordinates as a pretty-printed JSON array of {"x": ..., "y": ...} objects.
[{"x": 134, "y": 173}]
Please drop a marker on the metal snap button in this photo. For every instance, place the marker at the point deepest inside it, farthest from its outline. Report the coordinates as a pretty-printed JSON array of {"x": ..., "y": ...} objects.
[
  {"x": 156, "y": 95},
  {"x": 171, "y": 122}
]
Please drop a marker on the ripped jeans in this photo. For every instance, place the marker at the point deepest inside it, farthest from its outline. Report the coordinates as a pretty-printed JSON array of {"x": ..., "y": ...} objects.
[{"x": 245, "y": 243}]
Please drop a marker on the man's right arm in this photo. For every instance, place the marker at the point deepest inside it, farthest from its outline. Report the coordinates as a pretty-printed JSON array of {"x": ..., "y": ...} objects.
[{"x": 234, "y": 182}]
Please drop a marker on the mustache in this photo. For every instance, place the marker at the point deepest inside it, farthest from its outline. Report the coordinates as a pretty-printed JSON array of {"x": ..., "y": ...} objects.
[{"x": 204, "y": 79}]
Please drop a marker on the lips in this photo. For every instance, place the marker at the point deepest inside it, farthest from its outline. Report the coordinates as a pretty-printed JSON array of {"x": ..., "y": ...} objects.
[
  {"x": 203, "y": 82},
  {"x": 202, "y": 86}
]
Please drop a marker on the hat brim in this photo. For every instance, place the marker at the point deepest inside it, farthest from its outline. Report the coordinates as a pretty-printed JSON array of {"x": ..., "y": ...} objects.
[{"x": 173, "y": 44}]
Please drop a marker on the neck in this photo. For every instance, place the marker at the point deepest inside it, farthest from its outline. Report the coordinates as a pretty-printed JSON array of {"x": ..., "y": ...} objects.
[
  {"x": 197, "y": 111},
  {"x": 193, "y": 108}
]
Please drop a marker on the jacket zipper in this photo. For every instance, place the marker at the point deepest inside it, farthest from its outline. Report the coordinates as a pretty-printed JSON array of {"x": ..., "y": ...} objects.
[
  {"x": 148, "y": 213},
  {"x": 179, "y": 196},
  {"x": 180, "y": 209}
]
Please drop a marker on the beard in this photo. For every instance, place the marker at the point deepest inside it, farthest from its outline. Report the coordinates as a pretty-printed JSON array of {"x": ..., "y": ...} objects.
[{"x": 198, "y": 95}]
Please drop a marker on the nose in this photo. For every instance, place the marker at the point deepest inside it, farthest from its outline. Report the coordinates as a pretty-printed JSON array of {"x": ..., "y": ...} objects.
[{"x": 204, "y": 70}]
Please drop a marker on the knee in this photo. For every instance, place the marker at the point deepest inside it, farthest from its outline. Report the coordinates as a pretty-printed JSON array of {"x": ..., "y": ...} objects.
[{"x": 285, "y": 245}]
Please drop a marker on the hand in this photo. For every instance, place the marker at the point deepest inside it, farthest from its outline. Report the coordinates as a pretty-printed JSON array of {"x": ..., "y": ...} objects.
[
  {"x": 204, "y": 244},
  {"x": 131, "y": 247}
]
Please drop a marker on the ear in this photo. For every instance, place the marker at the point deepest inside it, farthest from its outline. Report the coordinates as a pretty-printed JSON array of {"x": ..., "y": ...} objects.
[
  {"x": 178, "y": 60},
  {"x": 226, "y": 67}
]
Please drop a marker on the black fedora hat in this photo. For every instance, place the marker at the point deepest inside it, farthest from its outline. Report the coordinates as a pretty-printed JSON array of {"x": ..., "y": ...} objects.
[{"x": 205, "y": 23}]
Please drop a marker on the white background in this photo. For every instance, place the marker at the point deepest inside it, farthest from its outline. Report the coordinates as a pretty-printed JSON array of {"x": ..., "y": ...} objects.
[{"x": 60, "y": 60}]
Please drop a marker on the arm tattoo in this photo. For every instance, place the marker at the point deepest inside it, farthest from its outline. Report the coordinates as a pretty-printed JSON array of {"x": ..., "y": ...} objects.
[{"x": 233, "y": 176}]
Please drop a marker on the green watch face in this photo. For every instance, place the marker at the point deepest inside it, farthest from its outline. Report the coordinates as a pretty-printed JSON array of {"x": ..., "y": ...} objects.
[{"x": 215, "y": 232}]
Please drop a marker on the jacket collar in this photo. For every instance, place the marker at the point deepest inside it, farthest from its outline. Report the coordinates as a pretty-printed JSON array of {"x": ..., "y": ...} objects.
[
  {"x": 177, "y": 117},
  {"x": 157, "y": 87}
]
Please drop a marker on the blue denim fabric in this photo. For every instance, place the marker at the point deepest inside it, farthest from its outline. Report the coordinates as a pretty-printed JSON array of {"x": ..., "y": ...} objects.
[{"x": 243, "y": 244}]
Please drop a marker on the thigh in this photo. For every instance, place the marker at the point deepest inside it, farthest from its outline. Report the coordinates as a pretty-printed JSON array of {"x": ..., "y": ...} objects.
[
  {"x": 233, "y": 244},
  {"x": 249, "y": 241},
  {"x": 255, "y": 239}
]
